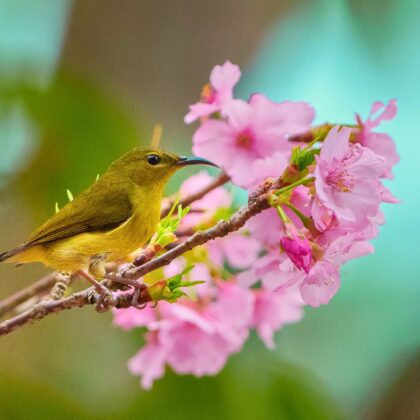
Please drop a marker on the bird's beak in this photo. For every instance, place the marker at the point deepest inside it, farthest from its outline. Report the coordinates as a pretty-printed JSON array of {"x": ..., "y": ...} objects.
[{"x": 193, "y": 160}]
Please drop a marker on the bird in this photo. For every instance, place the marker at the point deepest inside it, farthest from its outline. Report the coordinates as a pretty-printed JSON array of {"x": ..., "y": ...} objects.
[{"x": 115, "y": 216}]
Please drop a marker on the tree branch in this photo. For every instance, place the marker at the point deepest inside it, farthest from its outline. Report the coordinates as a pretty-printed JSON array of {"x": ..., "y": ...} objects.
[
  {"x": 40, "y": 286},
  {"x": 258, "y": 201},
  {"x": 217, "y": 182},
  {"x": 86, "y": 297}
]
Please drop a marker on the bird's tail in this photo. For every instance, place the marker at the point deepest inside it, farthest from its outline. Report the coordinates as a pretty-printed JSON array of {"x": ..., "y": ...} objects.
[{"x": 5, "y": 256}]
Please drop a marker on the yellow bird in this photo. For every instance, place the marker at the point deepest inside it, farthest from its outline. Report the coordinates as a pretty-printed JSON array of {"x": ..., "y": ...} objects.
[{"x": 109, "y": 220}]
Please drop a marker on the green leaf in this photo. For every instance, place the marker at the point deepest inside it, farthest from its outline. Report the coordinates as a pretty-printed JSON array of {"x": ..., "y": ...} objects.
[
  {"x": 302, "y": 158},
  {"x": 165, "y": 233},
  {"x": 175, "y": 281},
  {"x": 190, "y": 283}
]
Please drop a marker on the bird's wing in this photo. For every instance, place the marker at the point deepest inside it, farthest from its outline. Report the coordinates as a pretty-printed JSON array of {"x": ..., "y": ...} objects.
[{"x": 101, "y": 208}]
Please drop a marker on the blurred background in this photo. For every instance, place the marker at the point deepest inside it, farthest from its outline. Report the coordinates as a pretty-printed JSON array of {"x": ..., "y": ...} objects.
[{"x": 81, "y": 82}]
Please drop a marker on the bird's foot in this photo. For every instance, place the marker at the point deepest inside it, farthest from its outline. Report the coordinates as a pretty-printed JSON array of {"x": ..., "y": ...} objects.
[
  {"x": 105, "y": 301},
  {"x": 97, "y": 265},
  {"x": 139, "y": 288},
  {"x": 137, "y": 296},
  {"x": 62, "y": 281}
]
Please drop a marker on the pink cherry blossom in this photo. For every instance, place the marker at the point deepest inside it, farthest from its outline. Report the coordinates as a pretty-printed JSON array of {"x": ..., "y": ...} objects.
[
  {"x": 238, "y": 250},
  {"x": 268, "y": 167},
  {"x": 196, "y": 339},
  {"x": 266, "y": 269},
  {"x": 192, "y": 342},
  {"x": 347, "y": 178},
  {"x": 266, "y": 227},
  {"x": 249, "y": 132},
  {"x": 234, "y": 308},
  {"x": 129, "y": 318},
  {"x": 388, "y": 113},
  {"x": 341, "y": 247},
  {"x": 322, "y": 216},
  {"x": 150, "y": 361},
  {"x": 214, "y": 96},
  {"x": 192, "y": 350},
  {"x": 319, "y": 284},
  {"x": 371, "y": 231},
  {"x": 380, "y": 143},
  {"x": 199, "y": 342},
  {"x": 274, "y": 310},
  {"x": 322, "y": 282}
]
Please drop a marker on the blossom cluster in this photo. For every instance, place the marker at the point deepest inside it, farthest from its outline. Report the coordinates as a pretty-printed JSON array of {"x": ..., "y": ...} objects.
[{"x": 324, "y": 210}]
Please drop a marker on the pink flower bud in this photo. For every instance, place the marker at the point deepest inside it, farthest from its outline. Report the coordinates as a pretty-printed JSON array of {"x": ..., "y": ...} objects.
[{"x": 299, "y": 250}]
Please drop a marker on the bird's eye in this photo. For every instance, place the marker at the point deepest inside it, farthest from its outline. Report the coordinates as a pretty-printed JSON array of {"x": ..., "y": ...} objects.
[{"x": 153, "y": 159}]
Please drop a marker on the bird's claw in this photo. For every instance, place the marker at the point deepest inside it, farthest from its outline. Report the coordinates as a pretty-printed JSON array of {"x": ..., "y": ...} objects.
[
  {"x": 138, "y": 288},
  {"x": 105, "y": 300}
]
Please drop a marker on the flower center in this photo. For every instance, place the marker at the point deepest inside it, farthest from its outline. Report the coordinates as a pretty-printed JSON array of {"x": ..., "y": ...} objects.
[
  {"x": 208, "y": 94},
  {"x": 244, "y": 140},
  {"x": 341, "y": 180}
]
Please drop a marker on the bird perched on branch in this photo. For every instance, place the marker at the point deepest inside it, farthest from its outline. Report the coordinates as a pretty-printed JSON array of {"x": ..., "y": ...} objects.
[{"x": 109, "y": 220}]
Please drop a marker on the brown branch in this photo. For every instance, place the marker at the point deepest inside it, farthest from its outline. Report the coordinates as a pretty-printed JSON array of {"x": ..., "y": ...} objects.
[
  {"x": 40, "y": 286},
  {"x": 258, "y": 201},
  {"x": 86, "y": 297},
  {"x": 320, "y": 131},
  {"x": 146, "y": 255}
]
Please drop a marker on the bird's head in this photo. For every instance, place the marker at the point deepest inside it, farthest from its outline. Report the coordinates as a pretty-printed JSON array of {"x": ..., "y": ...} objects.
[{"x": 152, "y": 165}]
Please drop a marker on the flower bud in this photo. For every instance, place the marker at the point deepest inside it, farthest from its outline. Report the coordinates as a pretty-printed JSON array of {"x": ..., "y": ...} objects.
[
  {"x": 160, "y": 291},
  {"x": 298, "y": 249}
]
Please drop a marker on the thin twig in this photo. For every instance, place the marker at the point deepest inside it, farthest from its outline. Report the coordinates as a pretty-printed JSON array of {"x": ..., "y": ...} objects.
[
  {"x": 40, "y": 286},
  {"x": 86, "y": 297},
  {"x": 217, "y": 182},
  {"x": 146, "y": 255}
]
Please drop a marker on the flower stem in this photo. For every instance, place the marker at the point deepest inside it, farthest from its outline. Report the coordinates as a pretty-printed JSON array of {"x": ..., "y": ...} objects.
[
  {"x": 315, "y": 140},
  {"x": 307, "y": 221},
  {"x": 295, "y": 184},
  {"x": 283, "y": 216},
  {"x": 297, "y": 212}
]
